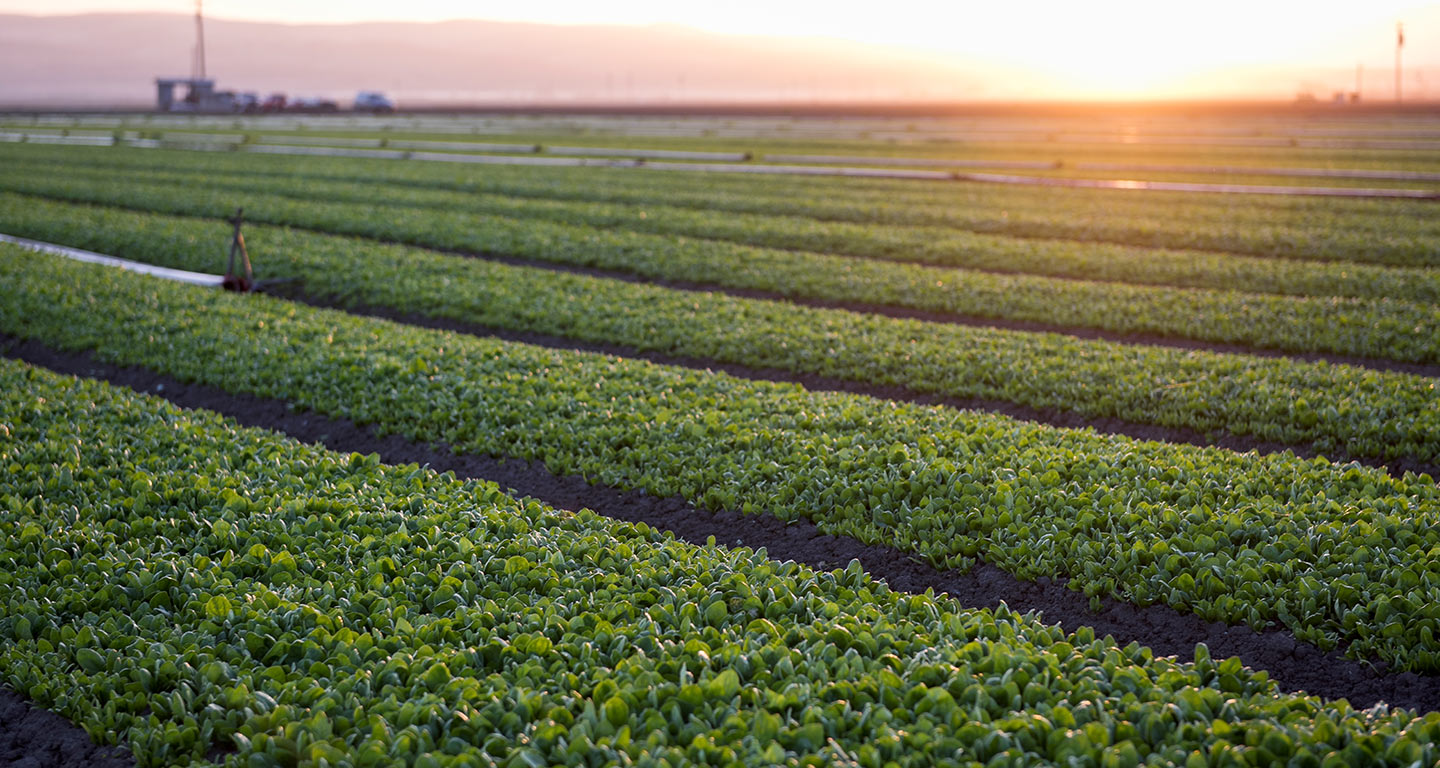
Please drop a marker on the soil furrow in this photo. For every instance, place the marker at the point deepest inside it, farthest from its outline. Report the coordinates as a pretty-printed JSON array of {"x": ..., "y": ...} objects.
[
  {"x": 1293, "y": 664},
  {"x": 935, "y": 316},
  {"x": 560, "y": 196},
  {"x": 1431, "y": 370},
  {"x": 855, "y": 255},
  {"x": 36, "y": 738},
  {"x": 815, "y": 382}
]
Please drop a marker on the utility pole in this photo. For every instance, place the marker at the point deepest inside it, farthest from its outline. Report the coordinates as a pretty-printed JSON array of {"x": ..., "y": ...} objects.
[
  {"x": 1399, "y": 43},
  {"x": 199, "y": 41}
]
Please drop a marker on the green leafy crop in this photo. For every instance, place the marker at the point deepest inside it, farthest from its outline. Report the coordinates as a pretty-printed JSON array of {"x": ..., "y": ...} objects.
[
  {"x": 1389, "y": 232},
  {"x": 194, "y": 590},
  {"x": 1381, "y": 328},
  {"x": 1336, "y": 553},
  {"x": 1331, "y": 408},
  {"x": 927, "y": 244}
]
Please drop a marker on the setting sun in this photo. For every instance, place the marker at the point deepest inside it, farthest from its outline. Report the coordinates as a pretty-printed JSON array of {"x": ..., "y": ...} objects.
[
  {"x": 1120, "y": 49},
  {"x": 917, "y": 383}
]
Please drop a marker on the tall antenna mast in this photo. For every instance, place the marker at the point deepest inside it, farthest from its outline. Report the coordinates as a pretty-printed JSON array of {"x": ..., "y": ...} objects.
[
  {"x": 199, "y": 41},
  {"x": 1399, "y": 43}
]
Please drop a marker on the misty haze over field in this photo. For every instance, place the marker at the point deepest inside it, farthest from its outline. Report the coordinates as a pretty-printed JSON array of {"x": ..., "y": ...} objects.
[{"x": 112, "y": 60}]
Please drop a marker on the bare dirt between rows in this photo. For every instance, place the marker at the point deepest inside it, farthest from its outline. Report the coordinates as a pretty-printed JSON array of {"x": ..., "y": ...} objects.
[
  {"x": 857, "y": 256},
  {"x": 1431, "y": 370},
  {"x": 31, "y": 737},
  {"x": 1293, "y": 664},
  {"x": 934, "y": 316},
  {"x": 908, "y": 313},
  {"x": 552, "y": 195},
  {"x": 1050, "y": 416}
]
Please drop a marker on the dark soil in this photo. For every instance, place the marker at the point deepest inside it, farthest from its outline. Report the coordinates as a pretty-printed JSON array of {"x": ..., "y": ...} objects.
[
  {"x": 933, "y": 316},
  {"x": 1152, "y": 339},
  {"x": 34, "y": 738},
  {"x": 1051, "y": 416},
  {"x": 1293, "y": 664}
]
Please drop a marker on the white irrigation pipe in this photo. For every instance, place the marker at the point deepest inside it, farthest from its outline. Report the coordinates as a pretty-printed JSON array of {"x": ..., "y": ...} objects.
[
  {"x": 932, "y": 162},
  {"x": 469, "y": 146},
  {"x": 803, "y": 170},
  {"x": 1252, "y": 141},
  {"x": 64, "y": 133},
  {"x": 1176, "y": 186},
  {"x": 178, "y": 275},
  {"x": 322, "y": 141},
  {"x": 104, "y": 140},
  {"x": 1365, "y": 144},
  {"x": 286, "y": 149},
  {"x": 823, "y": 170},
  {"x": 464, "y": 146},
  {"x": 87, "y": 141},
  {"x": 1240, "y": 170},
  {"x": 1041, "y": 165},
  {"x": 805, "y": 159},
  {"x": 443, "y": 157},
  {"x": 1267, "y": 132},
  {"x": 203, "y": 138},
  {"x": 1141, "y": 140},
  {"x": 659, "y": 154},
  {"x": 573, "y": 162}
]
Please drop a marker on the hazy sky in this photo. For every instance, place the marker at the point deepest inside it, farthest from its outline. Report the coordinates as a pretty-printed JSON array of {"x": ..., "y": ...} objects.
[{"x": 1095, "y": 48}]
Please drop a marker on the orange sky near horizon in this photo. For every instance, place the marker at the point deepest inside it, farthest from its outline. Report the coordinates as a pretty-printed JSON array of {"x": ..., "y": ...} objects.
[{"x": 1103, "y": 49}]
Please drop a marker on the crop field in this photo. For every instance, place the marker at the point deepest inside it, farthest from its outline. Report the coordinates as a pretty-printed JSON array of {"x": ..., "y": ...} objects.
[{"x": 661, "y": 441}]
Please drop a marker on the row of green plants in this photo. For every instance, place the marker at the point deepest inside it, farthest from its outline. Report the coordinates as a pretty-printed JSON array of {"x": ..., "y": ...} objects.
[
  {"x": 927, "y": 245},
  {"x": 205, "y": 593},
  {"x": 849, "y": 143},
  {"x": 1388, "y": 232},
  {"x": 1053, "y": 167},
  {"x": 905, "y": 162},
  {"x": 1329, "y": 408},
  {"x": 1341, "y": 555},
  {"x": 1293, "y": 184},
  {"x": 1371, "y": 328}
]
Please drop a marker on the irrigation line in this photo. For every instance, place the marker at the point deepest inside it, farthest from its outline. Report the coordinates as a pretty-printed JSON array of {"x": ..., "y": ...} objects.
[
  {"x": 812, "y": 381},
  {"x": 470, "y": 146},
  {"x": 641, "y": 159},
  {"x": 816, "y": 170},
  {"x": 1062, "y": 139},
  {"x": 929, "y": 162},
  {"x": 1273, "y": 131},
  {"x": 178, "y": 275},
  {"x": 1240, "y": 170},
  {"x": 1041, "y": 165},
  {"x": 396, "y": 154},
  {"x": 316, "y": 141},
  {"x": 941, "y": 316},
  {"x": 1178, "y": 186},
  {"x": 659, "y": 154}
]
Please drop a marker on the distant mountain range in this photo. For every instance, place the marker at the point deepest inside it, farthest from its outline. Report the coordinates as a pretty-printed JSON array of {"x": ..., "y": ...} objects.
[{"x": 112, "y": 60}]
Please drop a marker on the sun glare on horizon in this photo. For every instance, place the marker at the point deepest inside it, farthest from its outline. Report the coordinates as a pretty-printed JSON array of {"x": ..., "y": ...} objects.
[{"x": 1108, "y": 49}]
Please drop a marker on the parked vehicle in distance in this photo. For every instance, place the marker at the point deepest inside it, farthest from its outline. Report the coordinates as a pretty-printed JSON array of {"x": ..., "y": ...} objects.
[
  {"x": 312, "y": 104},
  {"x": 373, "y": 101}
]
